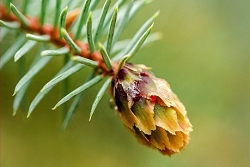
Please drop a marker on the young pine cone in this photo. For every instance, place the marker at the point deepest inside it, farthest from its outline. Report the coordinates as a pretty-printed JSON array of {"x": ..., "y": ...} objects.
[{"x": 150, "y": 110}]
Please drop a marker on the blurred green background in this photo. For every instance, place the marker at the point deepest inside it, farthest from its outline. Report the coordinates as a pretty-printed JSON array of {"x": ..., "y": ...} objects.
[{"x": 204, "y": 54}]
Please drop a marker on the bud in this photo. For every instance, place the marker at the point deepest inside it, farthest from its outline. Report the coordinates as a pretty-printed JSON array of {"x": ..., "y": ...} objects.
[{"x": 150, "y": 110}]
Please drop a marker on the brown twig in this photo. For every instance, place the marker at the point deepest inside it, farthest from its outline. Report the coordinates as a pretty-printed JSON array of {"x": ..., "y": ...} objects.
[{"x": 47, "y": 29}]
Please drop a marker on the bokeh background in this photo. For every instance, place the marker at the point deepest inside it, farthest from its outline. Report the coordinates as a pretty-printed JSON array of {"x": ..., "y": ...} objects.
[{"x": 204, "y": 54}]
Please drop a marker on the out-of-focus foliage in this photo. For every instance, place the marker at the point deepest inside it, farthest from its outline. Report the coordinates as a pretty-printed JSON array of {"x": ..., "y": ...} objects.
[{"x": 204, "y": 55}]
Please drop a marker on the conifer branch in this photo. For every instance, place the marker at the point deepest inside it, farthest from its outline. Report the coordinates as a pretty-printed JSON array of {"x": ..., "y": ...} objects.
[{"x": 89, "y": 36}]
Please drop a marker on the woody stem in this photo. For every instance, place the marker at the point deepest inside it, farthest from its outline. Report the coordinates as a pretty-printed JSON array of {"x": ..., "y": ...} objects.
[{"x": 34, "y": 27}]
